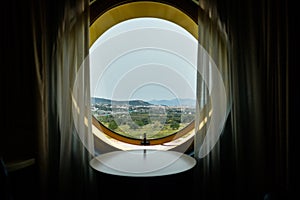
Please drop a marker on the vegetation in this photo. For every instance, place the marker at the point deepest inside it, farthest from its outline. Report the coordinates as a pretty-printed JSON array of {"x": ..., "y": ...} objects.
[
  {"x": 155, "y": 125},
  {"x": 134, "y": 118}
]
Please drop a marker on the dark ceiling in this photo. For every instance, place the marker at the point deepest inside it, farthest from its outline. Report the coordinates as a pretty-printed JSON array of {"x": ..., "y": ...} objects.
[{"x": 98, "y": 7}]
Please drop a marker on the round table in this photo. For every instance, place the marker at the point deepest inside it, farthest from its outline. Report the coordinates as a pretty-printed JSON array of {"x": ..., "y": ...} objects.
[{"x": 142, "y": 163}]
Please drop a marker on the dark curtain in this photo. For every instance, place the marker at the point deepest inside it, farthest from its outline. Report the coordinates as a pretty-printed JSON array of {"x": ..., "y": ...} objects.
[
  {"x": 256, "y": 155},
  {"x": 254, "y": 158}
]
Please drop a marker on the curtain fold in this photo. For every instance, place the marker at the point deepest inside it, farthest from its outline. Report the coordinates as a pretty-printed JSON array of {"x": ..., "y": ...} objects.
[
  {"x": 213, "y": 80},
  {"x": 242, "y": 141},
  {"x": 251, "y": 159},
  {"x": 259, "y": 31},
  {"x": 61, "y": 44},
  {"x": 213, "y": 99}
]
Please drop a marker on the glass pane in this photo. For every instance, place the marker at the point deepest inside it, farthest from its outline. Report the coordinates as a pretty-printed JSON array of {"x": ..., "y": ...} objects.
[{"x": 143, "y": 78}]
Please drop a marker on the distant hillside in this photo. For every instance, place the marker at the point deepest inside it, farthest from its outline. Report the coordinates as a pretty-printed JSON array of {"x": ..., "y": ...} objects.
[
  {"x": 171, "y": 102},
  {"x": 114, "y": 102},
  {"x": 175, "y": 102}
]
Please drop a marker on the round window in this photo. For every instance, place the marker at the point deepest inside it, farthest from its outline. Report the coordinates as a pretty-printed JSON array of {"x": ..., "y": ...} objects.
[{"x": 143, "y": 79}]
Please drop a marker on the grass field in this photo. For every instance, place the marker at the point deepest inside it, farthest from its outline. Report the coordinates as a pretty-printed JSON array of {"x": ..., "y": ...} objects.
[{"x": 153, "y": 131}]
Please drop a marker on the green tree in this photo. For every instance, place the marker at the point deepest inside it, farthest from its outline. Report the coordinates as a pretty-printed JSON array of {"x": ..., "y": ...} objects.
[
  {"x": 112, "y": 125},
  {"x": 174, "y": 124}
]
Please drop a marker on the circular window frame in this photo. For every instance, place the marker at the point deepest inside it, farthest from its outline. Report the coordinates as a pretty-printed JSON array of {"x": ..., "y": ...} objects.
[{"x": 133, "y": 10}]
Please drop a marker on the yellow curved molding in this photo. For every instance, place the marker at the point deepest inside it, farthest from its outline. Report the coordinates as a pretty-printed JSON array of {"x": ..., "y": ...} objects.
[{"x": 141, "y": 9}]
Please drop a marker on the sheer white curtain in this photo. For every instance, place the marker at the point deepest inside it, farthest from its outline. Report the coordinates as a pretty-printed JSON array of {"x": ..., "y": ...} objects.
[
  {"x": 213, "y": 102},
  {"x": 213, "y": 81},
  {"x": 61, "y": 44}
]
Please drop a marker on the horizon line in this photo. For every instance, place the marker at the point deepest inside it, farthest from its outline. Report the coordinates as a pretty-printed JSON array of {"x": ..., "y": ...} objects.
[{"x": 143, "y": 99}]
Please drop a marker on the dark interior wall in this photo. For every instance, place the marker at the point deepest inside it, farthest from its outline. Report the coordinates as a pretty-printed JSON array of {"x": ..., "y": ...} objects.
[{"x": 18, "y": 134}]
